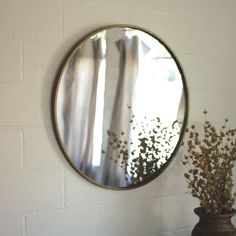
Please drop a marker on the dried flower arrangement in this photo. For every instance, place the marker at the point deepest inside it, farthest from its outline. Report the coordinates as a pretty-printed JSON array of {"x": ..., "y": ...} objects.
[
  {"x": 210, "y": 160},
  {"x": 148, "y": 149}
]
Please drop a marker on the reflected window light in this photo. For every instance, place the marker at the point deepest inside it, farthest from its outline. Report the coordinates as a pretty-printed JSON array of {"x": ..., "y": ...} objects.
[
  {"x": 101, "y": 36},
  {"x": 99, "y": 110},
  {"x": 151, "y": 86},
  {"x": 155, "y": 77}
]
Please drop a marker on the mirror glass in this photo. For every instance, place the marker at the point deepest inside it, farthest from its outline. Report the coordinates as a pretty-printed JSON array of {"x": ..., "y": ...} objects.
[{"x": 120, "y": 106}]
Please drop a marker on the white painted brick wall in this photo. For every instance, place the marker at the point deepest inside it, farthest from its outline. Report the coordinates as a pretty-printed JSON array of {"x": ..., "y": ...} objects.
[
  {"x": 40, "y": 194},
  {"x": 12, "y": 225},
  {"x": 10, "y": 58},
  {"x": 29, "y": 191},
  {"x": 11, "y": 158}
]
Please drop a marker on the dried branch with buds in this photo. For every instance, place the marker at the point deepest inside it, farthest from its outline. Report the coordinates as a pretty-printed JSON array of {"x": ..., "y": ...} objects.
[{"x": 210, "y": 161}]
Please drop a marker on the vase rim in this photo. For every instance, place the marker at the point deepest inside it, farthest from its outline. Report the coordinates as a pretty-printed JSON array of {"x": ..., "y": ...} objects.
[{"x": 200, "y": 211}]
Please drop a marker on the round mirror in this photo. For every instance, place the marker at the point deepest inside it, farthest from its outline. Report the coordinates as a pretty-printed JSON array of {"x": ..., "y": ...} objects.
[{"x": 120, "y": 106}]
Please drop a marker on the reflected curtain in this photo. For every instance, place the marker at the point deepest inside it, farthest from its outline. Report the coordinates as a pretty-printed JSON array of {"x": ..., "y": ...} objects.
[
  {"x": 131, "y": 51},
  {"x": 80, "y": 104}
]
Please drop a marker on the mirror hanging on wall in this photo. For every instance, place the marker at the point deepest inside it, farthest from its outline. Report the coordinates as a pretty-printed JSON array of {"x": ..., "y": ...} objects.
[{"x": 120, "y": 106}]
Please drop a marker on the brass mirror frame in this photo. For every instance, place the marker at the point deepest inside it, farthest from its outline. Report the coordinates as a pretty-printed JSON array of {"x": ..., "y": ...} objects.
[{"x": 54, "y": 94}]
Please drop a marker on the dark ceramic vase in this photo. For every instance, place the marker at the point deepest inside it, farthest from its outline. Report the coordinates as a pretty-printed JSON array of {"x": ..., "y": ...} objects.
[{"x": 209, "y": 225}]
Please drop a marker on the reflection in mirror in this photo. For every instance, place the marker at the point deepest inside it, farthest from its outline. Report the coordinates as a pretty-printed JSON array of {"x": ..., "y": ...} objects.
[{"x": 120, "y": 107}]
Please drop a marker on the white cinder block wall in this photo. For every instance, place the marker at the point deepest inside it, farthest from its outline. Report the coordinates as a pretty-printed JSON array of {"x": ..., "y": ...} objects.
[{"x": 40, "y": 194}]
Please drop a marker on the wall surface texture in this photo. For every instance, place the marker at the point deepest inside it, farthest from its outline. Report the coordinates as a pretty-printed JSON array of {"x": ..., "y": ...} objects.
[{"x": 40, "y": 194}]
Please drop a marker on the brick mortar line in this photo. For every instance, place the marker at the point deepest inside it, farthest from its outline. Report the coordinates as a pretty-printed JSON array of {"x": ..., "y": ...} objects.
[
  {"x": 21, "y": 61},
  {"x": 22, "y": 151}
]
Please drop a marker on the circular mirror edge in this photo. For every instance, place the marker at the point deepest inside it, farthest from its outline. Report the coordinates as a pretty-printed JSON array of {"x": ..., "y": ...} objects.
[{"x": 54, "y": 94}]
